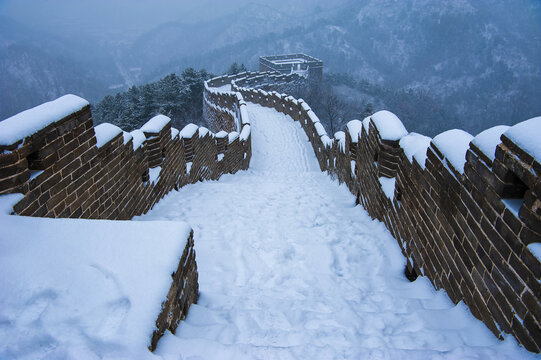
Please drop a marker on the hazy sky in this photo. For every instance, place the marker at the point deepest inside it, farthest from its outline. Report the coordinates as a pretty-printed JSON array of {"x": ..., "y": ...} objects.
[
  {"x": 126, "y": 19},
  {"x": 110, "y": 18}
]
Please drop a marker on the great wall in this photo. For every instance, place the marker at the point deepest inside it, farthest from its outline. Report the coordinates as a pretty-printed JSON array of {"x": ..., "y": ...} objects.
[{"x": 464, "y": 224}]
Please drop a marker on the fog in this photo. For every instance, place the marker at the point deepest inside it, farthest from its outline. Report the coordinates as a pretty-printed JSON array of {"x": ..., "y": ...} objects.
[
  {"x": 124, "y": 20},
  {"x": 438, "y": 65}
]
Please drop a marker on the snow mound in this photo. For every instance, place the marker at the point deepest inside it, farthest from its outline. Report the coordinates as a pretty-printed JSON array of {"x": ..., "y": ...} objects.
[
  {"x": 203, "y": 131},
  {"x": 388, "y": 185},
  {"x": 320, "y": 129},
  {"x": 526, "y": 136},
  {"x": 487, "y": 140},
  {"x": 156, "y": 124},
  {"x": 415, "y": 145},
  {"x": 106, "y": 132},
  {"x": 313, "y": 117},
  {"x": 366, "y": 124},
  {"x": 127, "y": 137},
  {"x": 94, "y": 282},
  {"x": 233, "y": 135},
  {"x": 7, "y": 202},
  {"x": 174, "y": 133},
  {"x": 138, "y": 138},
  {"x": 454, "y": 144},
  {"x": 327, "y": 141},
  {"x": 244, "y": 115},
  {"x": 188, "y": 131},
  {"x": 245, "y": 133},
  {"x": 221, "y": 134},
  {"x": 390, "y": 127},
  {"x": 340, "y": 136},
  {"x": 32, "y": 120},
  {"x": 354, "y": 127}
]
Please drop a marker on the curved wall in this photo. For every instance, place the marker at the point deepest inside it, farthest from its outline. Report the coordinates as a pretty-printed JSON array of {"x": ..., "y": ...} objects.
[
  {"x": 464, "y": 216},
  {"x": 55, "y": 163}
]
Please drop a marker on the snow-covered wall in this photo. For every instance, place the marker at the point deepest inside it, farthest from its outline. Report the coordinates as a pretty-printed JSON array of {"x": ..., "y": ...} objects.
[
  {"x": 55, "y": 163},
  {"x": 223, "y": 103},
  {"x": 466, "y": 210},
  {"x": 69, "y": 168}
]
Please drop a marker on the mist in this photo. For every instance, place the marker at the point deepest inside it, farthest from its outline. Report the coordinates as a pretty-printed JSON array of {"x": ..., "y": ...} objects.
[{"x": 438, "y": 65}]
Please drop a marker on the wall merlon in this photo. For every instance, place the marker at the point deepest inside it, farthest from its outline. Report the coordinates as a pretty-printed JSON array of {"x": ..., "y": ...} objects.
[{"x": 455, "y": 228}]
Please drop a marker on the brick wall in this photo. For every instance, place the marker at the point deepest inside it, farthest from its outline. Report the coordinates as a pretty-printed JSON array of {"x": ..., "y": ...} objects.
[
  {"x": 221, "y": 109},
  {"x": 454, "y": 228},
  {"x": 66, "y": 170},
  {"x": 183, "y": 292},
  {"x": 62, "y": 172}
]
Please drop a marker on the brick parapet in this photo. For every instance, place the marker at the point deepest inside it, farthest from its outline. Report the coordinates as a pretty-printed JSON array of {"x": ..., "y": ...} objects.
[
  {"x": 183, "y": 292},
  {"x": 61, "y": 172},
  {"x": 454, "y": 228}
]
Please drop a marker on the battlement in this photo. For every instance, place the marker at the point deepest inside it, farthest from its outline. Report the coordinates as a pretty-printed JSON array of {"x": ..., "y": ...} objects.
[
  {"x": 55, "y": 163},
  {"x": 301, "y": 64},
  {"x": 465, "y": 210}
]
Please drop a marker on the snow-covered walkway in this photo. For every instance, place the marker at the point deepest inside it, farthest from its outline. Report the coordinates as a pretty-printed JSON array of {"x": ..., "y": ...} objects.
[{"x": 290, "y": 268}]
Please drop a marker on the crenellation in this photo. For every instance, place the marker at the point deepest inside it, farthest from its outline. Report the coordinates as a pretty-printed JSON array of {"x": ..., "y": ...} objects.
[
  {"x": 467, "y": 231},
  {"x": 455, "y": 228},
  {"x": 62, "y": 172}
]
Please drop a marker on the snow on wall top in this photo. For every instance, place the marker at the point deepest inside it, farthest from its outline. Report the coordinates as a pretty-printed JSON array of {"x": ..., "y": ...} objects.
[
  {"x": 106, "y": 132},
  {"x": 320, "y": 129},
  {"x": 487, "y": 140},
  {"x": 188, "y": 131},
  {"x": 244, "y": 115},
  {"x": 340, "y": 136},
  {"x": 390, "y": 127},
  {"x": 32, "y": 120},
  {"x": 221, "y": 134},
  {"x": 203, "y": 131},
  {"x": 354, "y": 128},
  {"x": 526, "y": 136},
  {"x": 415, "y": 145},
  {"x": 233, "y": 135},
  {"x": 245, "y": 133},
  {"x": 114, "y": 289},
  {"x": 156, "y": 124},
  {"x": 454, "y": 144},
  {"x": 138, "y": 139},
  {"x": 327, "y": 141},
  {"x": 127, "y": 137},
  {"x": 366, "y": 124},
  {"x": 174, "y": 133},
  {"x": 312, "y": 116}
]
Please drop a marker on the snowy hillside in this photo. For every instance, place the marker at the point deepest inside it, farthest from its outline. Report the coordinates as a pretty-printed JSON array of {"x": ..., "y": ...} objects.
[{"x": 479, "y": 60}]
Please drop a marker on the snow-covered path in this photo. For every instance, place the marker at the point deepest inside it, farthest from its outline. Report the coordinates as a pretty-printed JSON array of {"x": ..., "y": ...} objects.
[{"x": 290, "y": 268}]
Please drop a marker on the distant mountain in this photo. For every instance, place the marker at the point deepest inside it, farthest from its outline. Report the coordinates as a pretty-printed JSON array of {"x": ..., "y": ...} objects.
[
  {"x": 38, "y": 67},
  {"x": 183, "y": 39},
  {"x": 481, "y": 59}
]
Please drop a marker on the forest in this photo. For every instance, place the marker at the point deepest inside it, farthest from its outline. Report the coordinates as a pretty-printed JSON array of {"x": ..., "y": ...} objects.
[
  {"x": 178, "y": 96},
  {"x": 338, "y": 99}
]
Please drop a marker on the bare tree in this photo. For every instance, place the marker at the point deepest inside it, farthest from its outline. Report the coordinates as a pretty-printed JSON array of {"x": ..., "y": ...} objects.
[{"x": 336, "y": 111}]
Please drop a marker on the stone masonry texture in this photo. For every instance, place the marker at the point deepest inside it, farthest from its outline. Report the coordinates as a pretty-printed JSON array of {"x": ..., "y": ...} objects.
[
  {"x": 453, "y": 228},
  {"x": 61, "y": 173}
]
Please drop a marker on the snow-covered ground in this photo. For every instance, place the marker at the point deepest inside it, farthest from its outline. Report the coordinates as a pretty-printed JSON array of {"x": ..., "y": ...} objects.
[
  {"x": 224, "y": 88},
  {"x": 83, "y": 289},
  {"x": 290, "y": 268}
]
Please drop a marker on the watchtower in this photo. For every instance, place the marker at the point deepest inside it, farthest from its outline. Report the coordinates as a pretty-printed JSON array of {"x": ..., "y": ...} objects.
[{"x": 301, "y": 64}]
